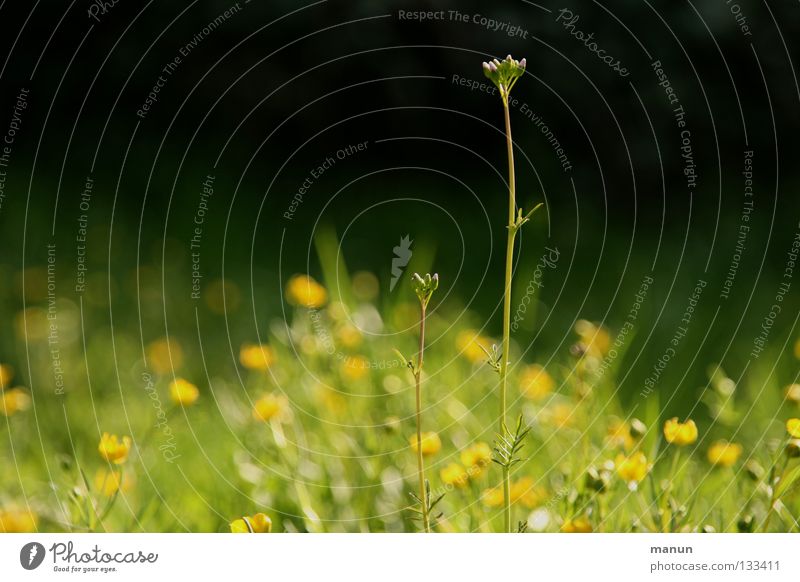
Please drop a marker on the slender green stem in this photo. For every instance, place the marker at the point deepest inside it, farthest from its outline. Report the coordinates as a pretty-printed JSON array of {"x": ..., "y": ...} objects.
[
  {"x": 665, "y": 521},
  {"x": 773, "y": 486},
  {"x": 423, "y": 494},
  {"x": 512, "y": 205}
]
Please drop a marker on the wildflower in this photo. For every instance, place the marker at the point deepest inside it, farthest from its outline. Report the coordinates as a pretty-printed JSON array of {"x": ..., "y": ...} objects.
[
  {"x": 793, "y": 427},
  {"x": 112, "y": 449},
  {"x": 597, "y": 480},
  {"x": 504, "y": 74},
  {"x": 182, "y": 392},
  {"x": 304, "y": 291},
  {"x": 258, "y": 523},
  {"x": 492, "y": 497},
  {"x": 431, "y": 443},
  {"x": 6, "y": 375},
  {"x": 680, "y": 433},
  {"x": 633, "y": 468},
  {"x": 355, "y": 367},
  {"x": 164, "y": 355},
  {"x": 578, "y": 524},
  {"x": 471, "y": 345},
  {"x": 257, "y": 357},
  {"x": 476, "y": 458},
  {"x": 535, "y": 383},
  {"x": 560, "y": 416},
  {"x": 269, "y": 406},
  {"x": 455, "y": 475},
  {"x": 425, "y": 286},
  {"x": 793, "y": 393},
  {"x": 524, "y": 492},
  {"x": 595, "y": 340},
  {"x": 17, "y": 521},
  {"x": 620, "y": 434},
  {"x": 349, "y": 336},
  {"x": 724, "y": 454},
  {"x": 109, "y": 481},
  {"x": 13, "y": 401}
]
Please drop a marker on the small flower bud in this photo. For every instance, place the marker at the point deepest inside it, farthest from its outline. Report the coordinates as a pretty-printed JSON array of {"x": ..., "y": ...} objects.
[
  {"x": 745, "y": 524},
  {"x": 523, "y": 63},
  {"x": 793, "y": 448},
  {"x": 708, "y": 529},
  {"x": 754, "y": 471},
  {"x": 638, "y": 429}
]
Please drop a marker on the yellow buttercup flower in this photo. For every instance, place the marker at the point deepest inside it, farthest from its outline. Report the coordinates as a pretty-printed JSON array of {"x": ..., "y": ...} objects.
[
  {"x": 455, "y": 475},
  {"x": 258, "y": 523},
  {"x": 109, "y": 481},
  {"x": 257, "y": 357},
  {"x": 164, "y": 355},
  {"x": 304, "y": 291},
  {"x": 680, "y": 433},
  {"x": 355, "y": 367},
  {"x": 6, "y": 375},
  {"x": 535, "y": 383},
  {"x": 269, "y": 406},
  {"x": 469, "y": 344},
  {"x": 183, "y": 392},
  {"x": 17, "y": 521},
  {"x": 526, "y": 493},
  {"x": 13, "y": 401},
  {"x": 793, "y": 393},
  {"x": 578, "y": 524},
  {"x": 476, "y": 458},
  {"x": 349, "y": 336},
  {"x": 633, "y": 468},
  {"x": 595, "y": 339},
  {"x": 492, "y": 497},
  {"x": 431, "y": 443},
  {"x": 114, "y": 450},
  {"x": 793, "y": 427},
  {"x": 724, "y": 454}
]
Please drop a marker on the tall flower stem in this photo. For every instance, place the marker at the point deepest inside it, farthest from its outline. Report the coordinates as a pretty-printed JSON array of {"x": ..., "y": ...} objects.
[
  {"x": 423, "y": 495},
  {"x": 511, "y": 235}
]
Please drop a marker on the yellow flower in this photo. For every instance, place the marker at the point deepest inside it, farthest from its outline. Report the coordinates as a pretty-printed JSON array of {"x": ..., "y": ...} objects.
[
  {"x": 269, "y": 406},
  {"x": 492, "y": 497},
  {"x": 724, "y": 454},
  {"x": 535, "y": 383},
  {"x": 469, "y": 344},
  {"x": 793, "y": 427},
  {"x": 109, "y": 481},
  {"x": 619, "y": 434},
  {"x": 14, "y": 400},
  {"x": 304, "y": 291},
  {"x": 594, "y": 338},
  {"x": 793, "y": 393},
  {"x": 17, "y": 521},
  {"x": 164, "y": 355},
  {"x": 256, "y": 356},
  {"x": 633, "y": 468},
  {"x": 349, "y": 336},
  {"x": 524, "y": 492},
  {"x": 112, "y": 449},
  {"x": 183, "y": 392},
  {"x": 476, "y": 459},
  {"x": 355, "y": 367},
  {"x": 258, "y": 523},
  {"x": 560, "y": 416},
  {"x": 455, "y": 475},
  {"x": 680, "y": 433},
  {"x": 6, "y": 375},
  {"x": 431, "y": 443},
  {"x": 578, "y": 524}
]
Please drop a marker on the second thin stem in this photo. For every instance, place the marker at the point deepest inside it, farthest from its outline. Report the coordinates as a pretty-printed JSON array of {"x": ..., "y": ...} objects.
[{"x": 423, "y": 494}]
